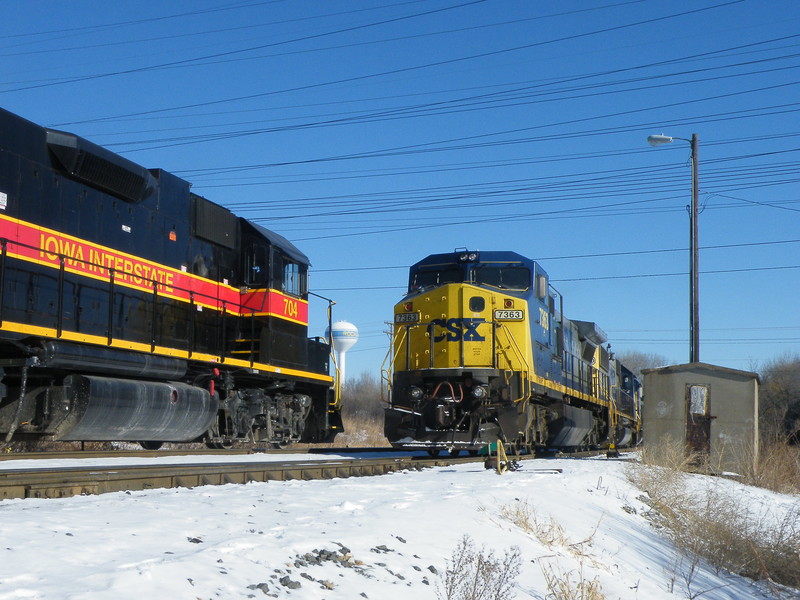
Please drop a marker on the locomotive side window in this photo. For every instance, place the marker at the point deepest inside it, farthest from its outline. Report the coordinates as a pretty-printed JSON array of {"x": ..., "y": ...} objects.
[
  {"x": 256, "y": 265},
  {"x": 289, "y": 276}
]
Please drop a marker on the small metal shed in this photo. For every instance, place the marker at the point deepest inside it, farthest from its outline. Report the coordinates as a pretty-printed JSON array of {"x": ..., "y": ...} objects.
[{"x": 713, "y": 409}]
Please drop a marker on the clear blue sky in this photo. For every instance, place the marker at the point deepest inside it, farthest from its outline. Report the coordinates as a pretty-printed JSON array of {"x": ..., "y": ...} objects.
[{"x": 372, "y": 133}]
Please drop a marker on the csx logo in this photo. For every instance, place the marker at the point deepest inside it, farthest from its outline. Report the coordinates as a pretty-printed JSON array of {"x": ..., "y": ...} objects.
[{"x": 458, "y": 329}]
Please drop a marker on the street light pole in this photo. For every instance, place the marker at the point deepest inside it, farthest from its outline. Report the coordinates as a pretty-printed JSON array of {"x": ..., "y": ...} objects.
[
  {"x": 694, "y": 287},
  {"x": 694, "y": 352}
]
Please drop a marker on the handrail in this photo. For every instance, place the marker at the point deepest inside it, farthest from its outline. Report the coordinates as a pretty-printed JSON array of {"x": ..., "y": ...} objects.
[
  {"x": 3, "y": 255},
  {"x": 391, "y": 356},
  {"x": 525, "y": 380},
  {"x": 222, "y": 306}
]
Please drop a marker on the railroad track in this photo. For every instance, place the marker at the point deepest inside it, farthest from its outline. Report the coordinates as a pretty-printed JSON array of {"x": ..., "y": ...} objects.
[
  {"x": 141, "y": 453},
  {"x": 27, "y": 480},
  {"x": 60, "y": 482}
]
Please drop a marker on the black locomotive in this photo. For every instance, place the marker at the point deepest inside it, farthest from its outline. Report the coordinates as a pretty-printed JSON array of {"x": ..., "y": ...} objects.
[{"x": 133, "y": 309}]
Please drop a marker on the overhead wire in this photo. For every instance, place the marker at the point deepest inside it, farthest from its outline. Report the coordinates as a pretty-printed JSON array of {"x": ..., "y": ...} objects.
[{"x": 376, "y": 74}]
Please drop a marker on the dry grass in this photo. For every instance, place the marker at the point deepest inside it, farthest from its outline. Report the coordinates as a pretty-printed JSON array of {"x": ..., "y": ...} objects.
[
  {"x": 561, "y": 584},
  {"x": 521, "y": 514},
  {"x": 362, "y": 413},
  {"x": 777, "y": 468},
  {"x": 716, "y": 521},
  {"x": 360, "y": 432}
]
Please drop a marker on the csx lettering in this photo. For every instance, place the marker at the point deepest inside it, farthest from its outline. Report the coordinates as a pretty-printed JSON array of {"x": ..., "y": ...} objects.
[
  {"x": 458, "y": 329},
  {"x": 290, "y": 308}
]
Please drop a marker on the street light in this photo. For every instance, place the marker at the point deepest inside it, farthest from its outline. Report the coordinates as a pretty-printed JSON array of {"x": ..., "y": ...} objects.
[{"x": 694, "y": 303}]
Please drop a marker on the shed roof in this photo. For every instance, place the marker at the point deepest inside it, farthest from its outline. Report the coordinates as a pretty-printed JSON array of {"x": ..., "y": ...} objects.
[{"x": 701, "y": 366}]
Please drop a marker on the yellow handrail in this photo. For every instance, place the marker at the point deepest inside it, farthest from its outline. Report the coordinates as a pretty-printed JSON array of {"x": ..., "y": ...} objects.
[{"x": 525, "y": 381}]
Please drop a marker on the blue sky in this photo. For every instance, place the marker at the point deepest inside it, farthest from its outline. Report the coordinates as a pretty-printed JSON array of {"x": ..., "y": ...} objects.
[{"x": 373, "y": 133}]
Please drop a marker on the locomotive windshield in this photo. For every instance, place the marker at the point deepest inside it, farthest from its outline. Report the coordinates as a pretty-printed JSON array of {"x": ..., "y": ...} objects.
[
  {"x": 506, "y": 278},
  {"x": 435, "y": 276}
]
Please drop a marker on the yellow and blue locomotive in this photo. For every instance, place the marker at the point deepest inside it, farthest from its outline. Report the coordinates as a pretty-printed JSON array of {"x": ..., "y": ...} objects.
[
  {"x": 134, "y": 309},
  {"x": 482, "y": 351}
]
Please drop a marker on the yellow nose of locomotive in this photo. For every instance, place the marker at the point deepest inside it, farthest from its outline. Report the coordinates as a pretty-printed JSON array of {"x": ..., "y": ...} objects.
[{"x": 456, "y": 326}]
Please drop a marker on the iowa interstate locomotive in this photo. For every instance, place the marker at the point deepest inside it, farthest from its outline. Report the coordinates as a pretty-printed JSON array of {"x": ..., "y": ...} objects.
[
  {"x": 133, "y": 309},
  {"x": 482, "y": 351}
]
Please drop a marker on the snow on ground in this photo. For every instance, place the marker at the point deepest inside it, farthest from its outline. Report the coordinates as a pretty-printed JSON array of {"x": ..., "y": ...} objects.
[{"x": 381, "y": 538}]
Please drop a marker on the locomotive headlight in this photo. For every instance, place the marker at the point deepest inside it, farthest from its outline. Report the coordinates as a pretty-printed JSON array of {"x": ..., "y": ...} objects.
[
  {"x": 480, "y": 392},
  {"x": 415, "y": 393}
]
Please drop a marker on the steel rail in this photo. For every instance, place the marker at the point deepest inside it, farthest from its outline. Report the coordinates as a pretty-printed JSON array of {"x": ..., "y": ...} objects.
[
  {"x": 141, "y": 453},
  {"x": 92, "y": 479}
]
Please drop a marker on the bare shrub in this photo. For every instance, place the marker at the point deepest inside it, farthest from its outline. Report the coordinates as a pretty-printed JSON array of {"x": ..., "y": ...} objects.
[
  {"x": 661, "y": 474},
  {"x": 362, "y": 413},
  {"x": 716, "y": 521},
  {"x": 478, "y": 575},
  {"x": 668, "y": 453},
  {"x": 779, "y": 399}
]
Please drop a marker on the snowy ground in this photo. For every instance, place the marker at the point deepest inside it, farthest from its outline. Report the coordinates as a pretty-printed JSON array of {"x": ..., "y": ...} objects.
[{"x": 380, "y": 538}]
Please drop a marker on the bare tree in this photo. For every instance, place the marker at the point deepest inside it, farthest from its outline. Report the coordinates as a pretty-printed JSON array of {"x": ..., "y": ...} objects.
[
  {"x": 779, "y": 399},
  {"x": 636, "y": 361},
  {"x": 361, "y": 397}
]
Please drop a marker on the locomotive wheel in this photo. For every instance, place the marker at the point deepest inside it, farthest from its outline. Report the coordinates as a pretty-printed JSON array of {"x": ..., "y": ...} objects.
[
  {"x": 151, "y": 445},
  {"x": 433, "y": 452}
]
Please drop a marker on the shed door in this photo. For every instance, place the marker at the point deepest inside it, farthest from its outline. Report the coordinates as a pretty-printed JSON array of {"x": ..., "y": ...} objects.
[{"x": 698, "y": 419}]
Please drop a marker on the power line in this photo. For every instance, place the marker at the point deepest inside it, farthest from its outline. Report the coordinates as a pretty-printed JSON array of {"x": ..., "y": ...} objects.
[
  {"x": 366, "y": 76},
  {"x": 598, "y": 278},
  {"x": 594, "y": 255}
]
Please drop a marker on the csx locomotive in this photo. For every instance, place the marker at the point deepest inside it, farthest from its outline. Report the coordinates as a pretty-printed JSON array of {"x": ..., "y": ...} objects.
[
  {"x": 482, "y": 351},
  {"x": 133, "y": 309}
]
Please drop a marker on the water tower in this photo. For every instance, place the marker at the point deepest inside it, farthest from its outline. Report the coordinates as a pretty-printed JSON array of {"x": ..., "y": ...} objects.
[{"x": 343, "y": 336}]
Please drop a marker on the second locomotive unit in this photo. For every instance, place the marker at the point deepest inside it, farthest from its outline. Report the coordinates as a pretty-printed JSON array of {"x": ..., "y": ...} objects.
[
  {"x": 133, "y": 309},
  {"x": 482, "y": 352}
]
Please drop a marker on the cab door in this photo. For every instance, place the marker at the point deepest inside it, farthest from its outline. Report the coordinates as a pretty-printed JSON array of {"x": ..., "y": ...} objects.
[{"x": 254, "y": 300}]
